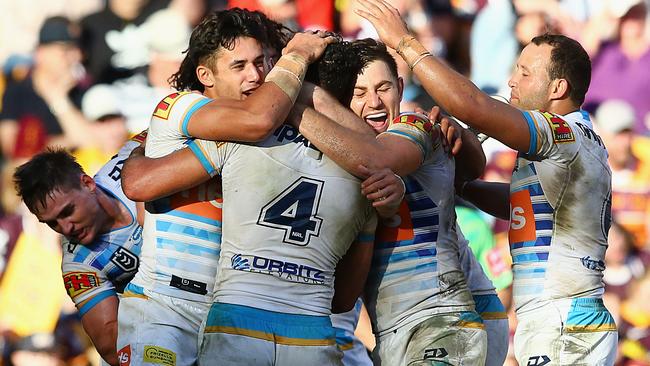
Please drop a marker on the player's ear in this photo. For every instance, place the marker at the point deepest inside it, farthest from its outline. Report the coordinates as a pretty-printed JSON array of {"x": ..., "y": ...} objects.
[
  {"x": 88, "y": 183},
  {"x": 205, "y": 76},
  {"x": 559, "y": 89}
]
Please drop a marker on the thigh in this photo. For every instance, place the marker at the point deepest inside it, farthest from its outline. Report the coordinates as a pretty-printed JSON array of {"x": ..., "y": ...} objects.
[
  {"x": 308, "y": 355},
  {"x": 589, "y": 348},
  {"x": 537, "y": 339},
  {"x": 449, "y": 339},
  {"x": 226, "y": 349},
  {"x": 497, "y": 341},
  {"x": 152, "y": 333}
]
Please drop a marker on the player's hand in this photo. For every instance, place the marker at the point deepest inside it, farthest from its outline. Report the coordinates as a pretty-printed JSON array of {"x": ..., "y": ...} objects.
[
  {"x": 310, "y": 45},
  {"x": 385, "y": 189},
  {"x": 386, "y": 20}
]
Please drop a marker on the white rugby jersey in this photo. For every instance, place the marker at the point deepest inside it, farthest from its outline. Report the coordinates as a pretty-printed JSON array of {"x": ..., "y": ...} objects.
[
  {"x": 98, "y": 270},
  {"x": 477, "y": 281},
  {"x": 290, "y": 214},
  {"x": 560, "y": 201},
  {"x": 182, "y": 232},
  {"x": 416, "y": 269}
]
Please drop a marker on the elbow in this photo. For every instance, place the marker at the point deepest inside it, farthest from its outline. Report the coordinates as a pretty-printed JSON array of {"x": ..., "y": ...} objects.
[
  {"x": 133, "y": 189},
  {"x": 265, "y": 125}
]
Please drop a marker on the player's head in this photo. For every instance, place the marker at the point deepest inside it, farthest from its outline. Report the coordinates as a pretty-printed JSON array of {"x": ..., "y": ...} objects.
[
  {"x": 552, "y": 68},
  {"x": 378, "y": 88},
  {"x": 336, "y": 71},
  {"x": 55, "y": 188},
  {"x": 226, "y": 54}
]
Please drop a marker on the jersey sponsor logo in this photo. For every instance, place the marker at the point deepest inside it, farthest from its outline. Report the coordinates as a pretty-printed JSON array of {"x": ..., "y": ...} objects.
[
  {"x": 76, "y": 283},
  {"x": 165, "y": 106},
  {"x": 124, "y": 355},
  {"x": 562, "y": 132},
  {"x": 417, "y": 120},
  {"x": 288, "y": 133},
  {"x": 125, "y": 260},
  {"x": 522, "y": 219},
  {"x": 159, "y": 355},
  {"x": 141, "y": 137},
  {"x": 289, "y": 271},
  {"x": 403, "y": 231},
  {"x": 593, "y": 264},
  {"x": 590, "y": 134},
  {"x": 435, "y": 353},
  {"x": 538, "y": 360}
]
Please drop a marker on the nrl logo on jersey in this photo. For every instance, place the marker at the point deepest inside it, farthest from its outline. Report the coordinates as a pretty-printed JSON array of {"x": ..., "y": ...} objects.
[{"x": 125, "y": 260}]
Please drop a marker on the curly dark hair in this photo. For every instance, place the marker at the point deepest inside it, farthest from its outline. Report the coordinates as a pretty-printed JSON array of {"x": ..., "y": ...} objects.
[
  {"x": 51, "y": 170},
  {"x": 221, "y": 29},
  {"x": 336, "y": 71}
]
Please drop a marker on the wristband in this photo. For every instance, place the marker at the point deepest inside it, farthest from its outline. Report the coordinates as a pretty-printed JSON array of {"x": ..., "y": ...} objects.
[
  {"x": 288, "y": 74},
  {"x": 412, "y": 51}
]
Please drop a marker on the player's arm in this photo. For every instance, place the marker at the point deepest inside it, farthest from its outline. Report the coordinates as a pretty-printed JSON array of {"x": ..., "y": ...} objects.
[
  {"x": 490, "y": 197},
  {"x": 351, "y": 149},
  {"x": 257, "y": 116},
  {"x": 323, "y": 102},
  {"x": 352, "y": 270},
  {"x": 464, "y": 145},
  {"x": 146, "y": 179},
  {"x": 100, "y": 323},
  {"x": 452, "y": 91}
]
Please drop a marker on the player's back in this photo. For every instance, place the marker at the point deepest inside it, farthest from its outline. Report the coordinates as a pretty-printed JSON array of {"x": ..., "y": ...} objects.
[
  {"x": 182, "y": 232},
  {"x": 560, "y": 201},
  {"x": 291, "y": 214},
  {"x": 95, "y": 271}
]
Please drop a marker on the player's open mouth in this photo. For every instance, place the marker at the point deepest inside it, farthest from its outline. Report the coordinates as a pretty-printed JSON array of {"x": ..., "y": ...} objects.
[{"x": 377, "y": 120}]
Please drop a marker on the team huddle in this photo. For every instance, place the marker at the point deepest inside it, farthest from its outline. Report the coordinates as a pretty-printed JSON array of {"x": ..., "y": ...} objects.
[{"x": 281, "y": 188}]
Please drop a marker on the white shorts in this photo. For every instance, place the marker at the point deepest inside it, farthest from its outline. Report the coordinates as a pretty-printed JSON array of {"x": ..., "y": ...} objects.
[
  {"x": 242, "y": 335},
  {"x": 156, "y": 329},
  {"x": 354, "y": 352},
  {"x": 443, "y": 339},
  {"x": 494, "y": 316},
  {"x": 566, "y": 332}
]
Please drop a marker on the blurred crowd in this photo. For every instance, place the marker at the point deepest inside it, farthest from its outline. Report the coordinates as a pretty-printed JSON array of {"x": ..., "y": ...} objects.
[{"x": 86, "y": 74}]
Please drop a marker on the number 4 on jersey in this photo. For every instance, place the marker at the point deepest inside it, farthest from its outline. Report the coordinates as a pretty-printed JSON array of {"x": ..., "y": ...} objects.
[{"x": 294, "y": 211}]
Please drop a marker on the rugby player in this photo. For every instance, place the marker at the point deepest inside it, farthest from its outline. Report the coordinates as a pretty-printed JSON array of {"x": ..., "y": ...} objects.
[
  {"x": 100, "y": 228},
  {"x": 417, "y": 303},
  {"x": 559, "y": 198}
]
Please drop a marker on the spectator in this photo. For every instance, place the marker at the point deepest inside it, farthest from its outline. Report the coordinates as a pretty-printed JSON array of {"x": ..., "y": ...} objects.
[
  {"x": 101, "y": 105},
  {"x": 43, "y": 108},
  {"x": 630, "y": 172},
  {"x": 634, "y": 327},
  {"x": 622, "y": 264},
  {"x": 113, "y": 46},
  {"x": 621, "y": 66}
]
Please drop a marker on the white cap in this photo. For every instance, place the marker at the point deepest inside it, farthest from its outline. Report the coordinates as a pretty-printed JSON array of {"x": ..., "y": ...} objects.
[
  {"x": 100, "y": 101},
  {"x": 619, "y": 8},
  {"x": 614, "y": 116},
  {"x": 167, "y": 33}
]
